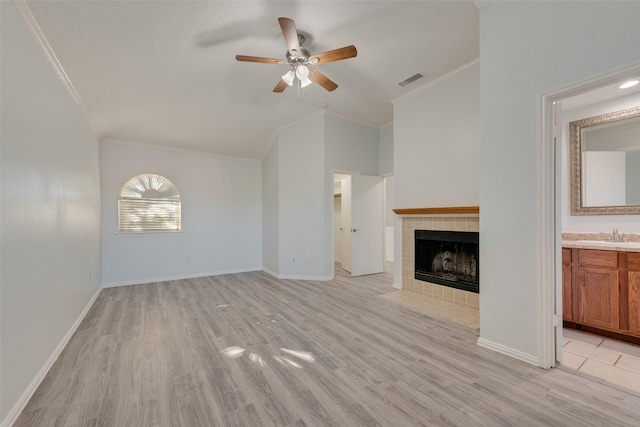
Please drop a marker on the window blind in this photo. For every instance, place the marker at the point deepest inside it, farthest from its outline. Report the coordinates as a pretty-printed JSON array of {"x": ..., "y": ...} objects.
[{"x": 145, "y": 215}]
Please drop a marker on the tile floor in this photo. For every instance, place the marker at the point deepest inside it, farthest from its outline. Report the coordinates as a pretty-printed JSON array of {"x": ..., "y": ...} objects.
[
  {"x": 467, "y": 316},
  {"x": 614, "y": 361}
]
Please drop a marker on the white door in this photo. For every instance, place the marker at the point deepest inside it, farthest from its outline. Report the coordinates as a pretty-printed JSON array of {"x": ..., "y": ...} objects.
[
  {"x": 345, "y": 213},
  {"x": 363, "y": 223}
]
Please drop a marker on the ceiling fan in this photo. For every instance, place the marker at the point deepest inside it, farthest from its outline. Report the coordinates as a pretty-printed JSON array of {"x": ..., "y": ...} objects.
[{"x": 300, "y": 59}]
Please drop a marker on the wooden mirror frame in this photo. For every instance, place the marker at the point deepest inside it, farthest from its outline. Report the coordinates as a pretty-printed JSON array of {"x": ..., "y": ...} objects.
[{"x": 575, "y": 151}]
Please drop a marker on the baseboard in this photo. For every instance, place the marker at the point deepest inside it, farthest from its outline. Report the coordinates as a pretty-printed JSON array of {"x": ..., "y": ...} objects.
[
  {"x": 508, "y": 351},
  {"x": 397, "y": 285},
  {"x": 15, "y": 412},
  {"x": 295, "y": 277},
  {"x": 187, "y": 276}
]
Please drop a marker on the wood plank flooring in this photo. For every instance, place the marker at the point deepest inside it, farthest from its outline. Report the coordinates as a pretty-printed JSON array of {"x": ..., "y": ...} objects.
[{"x": 306, "y": 354}]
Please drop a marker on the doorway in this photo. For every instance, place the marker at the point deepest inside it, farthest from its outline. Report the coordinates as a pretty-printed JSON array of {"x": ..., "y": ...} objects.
[
  {"x": 557, "y": 109},
  {"x": 358, "y": 223}
]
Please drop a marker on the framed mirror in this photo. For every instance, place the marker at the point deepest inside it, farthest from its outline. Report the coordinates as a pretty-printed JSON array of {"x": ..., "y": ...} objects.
[{"x": 605, "y": 164}]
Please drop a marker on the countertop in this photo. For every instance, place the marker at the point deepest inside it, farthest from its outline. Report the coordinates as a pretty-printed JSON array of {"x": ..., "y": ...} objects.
[{"x": 599, "y": 241}]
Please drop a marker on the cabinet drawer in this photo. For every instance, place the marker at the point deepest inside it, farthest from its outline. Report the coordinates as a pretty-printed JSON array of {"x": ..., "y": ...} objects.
[
  {"x": 566, "y": 256},
  {"x": 633, "y": 261},
  {"x": 598, "y": 258}
]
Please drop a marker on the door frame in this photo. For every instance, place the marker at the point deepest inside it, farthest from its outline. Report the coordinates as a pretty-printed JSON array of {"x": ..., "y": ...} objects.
[
  {"x": 332, "y": 207},
  {"x": 549, "y": 235}
]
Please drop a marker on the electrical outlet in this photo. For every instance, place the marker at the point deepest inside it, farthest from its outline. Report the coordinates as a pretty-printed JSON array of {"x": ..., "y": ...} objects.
[
  {"x": 309, "y": 259},
  {"x": 187, "y": 258},
  {"x": 293, "y": 260}
]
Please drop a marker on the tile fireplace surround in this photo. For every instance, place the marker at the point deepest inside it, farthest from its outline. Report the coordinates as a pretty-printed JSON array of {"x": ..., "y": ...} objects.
[{"x": 456, "y": 222}]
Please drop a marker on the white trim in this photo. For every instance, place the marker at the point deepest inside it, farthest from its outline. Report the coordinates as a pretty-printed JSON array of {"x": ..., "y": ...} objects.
[
  {"x": 296, "y": 277},
  {"x": 386, "y": 125},
  {"x": 396, "y": 285},
  {"x": 436, "y": 80},
  {"x": 350, "y": 119},
  {"x": 186, "y": 276},
  {"x": 297, "y": 121},
  {"x": 17, "y": 409},
  {"x": 545, "y": 227},
  {"x": 176, "y": 149},
  {"x": 270, "y": 272},
  {"x": 508, "y": 351}
]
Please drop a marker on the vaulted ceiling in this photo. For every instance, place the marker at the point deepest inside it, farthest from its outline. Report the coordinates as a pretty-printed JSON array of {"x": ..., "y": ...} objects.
[{"x": 164, "y": 72}]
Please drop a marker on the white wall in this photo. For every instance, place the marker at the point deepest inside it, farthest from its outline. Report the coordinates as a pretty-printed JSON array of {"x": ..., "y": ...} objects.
[
  {"x": 386, "y": 150},
  {"x": 389, "y": 218},
  {"x": 348, "y": 147},
  {"x": 633, "y": 178},
  {"x": 528, "y": 48},
  {"x": 308, "y": 152},
  {"x": 221, "y": 216},
  {"x": 50, "y": 227},
  {"x": 437, "y": 141},
  {"x": 592, "y": 223},
  {"x": 301, "y": 200},
  {"x": 270, "y": 211}
]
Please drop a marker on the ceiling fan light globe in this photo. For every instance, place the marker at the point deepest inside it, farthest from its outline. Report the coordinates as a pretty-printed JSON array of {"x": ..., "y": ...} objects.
[
  {"x": 302, "y": 72},
  {"x": 305, "y": 82},
  {"x": 289, "y": 77}
]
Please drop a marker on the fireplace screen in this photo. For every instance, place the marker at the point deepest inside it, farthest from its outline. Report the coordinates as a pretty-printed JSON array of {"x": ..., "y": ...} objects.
[{"x": 448, "y": 258}]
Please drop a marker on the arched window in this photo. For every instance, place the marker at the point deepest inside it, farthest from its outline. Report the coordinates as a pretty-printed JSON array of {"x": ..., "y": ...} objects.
[{"x": 149, "y": 203}]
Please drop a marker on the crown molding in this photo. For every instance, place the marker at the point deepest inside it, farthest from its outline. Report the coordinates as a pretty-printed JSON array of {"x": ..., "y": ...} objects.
[
  {"x": 176, "y": 149},
  {"x": 34, "y": 28},
  {"x": 437, "y": 80}
]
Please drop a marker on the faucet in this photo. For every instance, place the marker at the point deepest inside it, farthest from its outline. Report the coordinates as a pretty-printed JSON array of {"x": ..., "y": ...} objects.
[{"x": 617, "y": 237}]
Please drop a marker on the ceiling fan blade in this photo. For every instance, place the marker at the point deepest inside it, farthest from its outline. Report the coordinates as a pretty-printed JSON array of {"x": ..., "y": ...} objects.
[
  {"x": 244, "y": 58},
  {"x": 280, "y": 87},
  {"x": 290, "y": 34},
  {"x": 322, "y": 80},
  {"x": 334, "y": 55}
]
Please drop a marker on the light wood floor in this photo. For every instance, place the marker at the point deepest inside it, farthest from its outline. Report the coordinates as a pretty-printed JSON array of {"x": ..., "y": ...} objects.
[{"x": 249, "y": 350}]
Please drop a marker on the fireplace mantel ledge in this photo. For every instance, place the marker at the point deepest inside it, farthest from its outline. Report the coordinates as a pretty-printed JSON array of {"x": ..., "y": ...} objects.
[{"x": 450, "y": 210}]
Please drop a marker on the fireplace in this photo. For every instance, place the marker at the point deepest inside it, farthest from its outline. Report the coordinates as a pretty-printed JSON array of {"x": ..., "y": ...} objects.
[{"x": 448, "y": 258}]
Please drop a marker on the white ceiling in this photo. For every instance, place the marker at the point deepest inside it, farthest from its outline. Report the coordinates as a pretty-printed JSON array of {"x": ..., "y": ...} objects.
[{"x": 164, "y": 72}]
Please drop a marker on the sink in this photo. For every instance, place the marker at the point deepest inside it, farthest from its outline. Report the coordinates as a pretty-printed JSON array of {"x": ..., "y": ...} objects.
[{"x": 606, "y": 243}]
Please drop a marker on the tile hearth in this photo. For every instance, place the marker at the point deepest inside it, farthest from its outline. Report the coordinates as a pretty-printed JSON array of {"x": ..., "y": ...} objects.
[{"x": 437, "y": 307}]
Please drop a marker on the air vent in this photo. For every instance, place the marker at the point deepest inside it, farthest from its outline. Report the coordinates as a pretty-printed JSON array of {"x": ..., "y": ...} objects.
[{"x": 411, "y": 79}]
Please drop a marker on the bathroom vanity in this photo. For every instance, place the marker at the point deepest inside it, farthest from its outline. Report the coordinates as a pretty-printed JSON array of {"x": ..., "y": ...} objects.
[{"x": 601, "y": 287}]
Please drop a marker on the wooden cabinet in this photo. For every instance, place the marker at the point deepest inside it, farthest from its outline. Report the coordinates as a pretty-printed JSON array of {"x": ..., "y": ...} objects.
[
  {"x": 601, "y": 290},
  {"x": 597, "y": 290},
  {"x": 598, "y": 297},
  {"x": 567, "y": 283},
  {"x": 633, "y": 265}
]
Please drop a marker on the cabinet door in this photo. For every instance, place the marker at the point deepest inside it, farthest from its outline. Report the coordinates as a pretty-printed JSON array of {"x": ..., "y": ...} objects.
[
  {"x": 634, "y": 302},
  {"x": 567, "y": 312},
  {"x": 599, "y": 297}
]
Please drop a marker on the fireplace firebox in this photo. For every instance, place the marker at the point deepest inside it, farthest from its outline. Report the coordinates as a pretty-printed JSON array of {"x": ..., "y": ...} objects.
[{"x": 448, "y": 258}]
